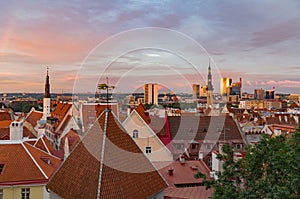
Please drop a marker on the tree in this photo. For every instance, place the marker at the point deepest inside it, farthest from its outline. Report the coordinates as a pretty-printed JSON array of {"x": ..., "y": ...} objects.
[{"x": 271, "y": 169}]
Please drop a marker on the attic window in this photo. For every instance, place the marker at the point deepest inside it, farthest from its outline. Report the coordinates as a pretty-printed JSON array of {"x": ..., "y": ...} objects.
[
  {"x": 148, "y": 149},
  {"x": 1, "y": 168},
  {"x": 46, "y": 159},
  {"x": 135, "y": 133}
]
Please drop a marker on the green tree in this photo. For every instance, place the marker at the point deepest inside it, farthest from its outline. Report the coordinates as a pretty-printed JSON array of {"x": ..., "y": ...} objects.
[{"x": 271, "y": 169}]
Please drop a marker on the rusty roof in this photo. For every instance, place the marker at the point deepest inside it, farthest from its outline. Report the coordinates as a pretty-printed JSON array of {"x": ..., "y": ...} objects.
[{"x": 110, "y": 163}]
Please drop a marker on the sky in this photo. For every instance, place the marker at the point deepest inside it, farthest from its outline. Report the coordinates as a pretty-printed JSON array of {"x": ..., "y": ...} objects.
[{"x": 257, "y": 40}]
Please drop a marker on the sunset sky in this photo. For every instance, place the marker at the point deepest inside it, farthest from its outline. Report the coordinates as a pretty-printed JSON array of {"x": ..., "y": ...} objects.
[{"x": 256, "y": 40}]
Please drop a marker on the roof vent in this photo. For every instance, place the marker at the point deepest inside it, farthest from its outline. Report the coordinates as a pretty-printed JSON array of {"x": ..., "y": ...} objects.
[{"x": 46, "y": 159}]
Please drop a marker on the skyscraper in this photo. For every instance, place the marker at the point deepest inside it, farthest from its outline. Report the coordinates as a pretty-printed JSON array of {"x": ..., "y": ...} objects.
[
  {"x": 47, "y": 99},
  {"x": 196, "y": 91},
  {"x": 224, "y": 84},
  {"x": 151, "y": 94}
]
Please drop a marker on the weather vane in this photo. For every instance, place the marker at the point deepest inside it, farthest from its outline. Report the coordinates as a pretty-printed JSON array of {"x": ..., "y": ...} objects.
[{"x": 105, "y": 86}]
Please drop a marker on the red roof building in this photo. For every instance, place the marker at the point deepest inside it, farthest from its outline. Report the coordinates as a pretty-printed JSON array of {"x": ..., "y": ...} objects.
[
  {"x": 181, "y": 179},
  {"x": 107, "y": 164},
  {"x": 24, "y": 167}
]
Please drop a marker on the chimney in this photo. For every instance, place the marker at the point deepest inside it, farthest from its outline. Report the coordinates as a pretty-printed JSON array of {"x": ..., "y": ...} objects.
[
  {"x": 181, "y": 159},
  {"x": 170, "y": 171},
  {"x": 16, "y": 130}
]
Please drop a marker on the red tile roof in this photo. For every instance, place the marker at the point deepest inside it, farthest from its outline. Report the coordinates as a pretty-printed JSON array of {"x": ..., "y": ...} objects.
[
  {"x": 90, "y": 113},
  {"x": 5, "y": 133},
  {"x": 5, "y": 116},
  {"x": 141, "y": 110},
  {"x": 188, "y": 193},
  {"x": 200, "y": 128},
  {"x": 183, "y": 174},
  {"x": 80, "y": 176},
  {"x": 33, "y": 117},
  {"x": 44, "y": 144},
  {"x": 61, "y": 111},
  {"x": 23, "y": 164},
  {"x": 5, "y": 123},
  {"x": 73, "y": 139}
]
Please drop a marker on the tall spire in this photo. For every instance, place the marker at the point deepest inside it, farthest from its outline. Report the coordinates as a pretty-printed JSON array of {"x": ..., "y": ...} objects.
[
  {"x": 209, "y": 78},
  {"x": 47, "y": 85}
]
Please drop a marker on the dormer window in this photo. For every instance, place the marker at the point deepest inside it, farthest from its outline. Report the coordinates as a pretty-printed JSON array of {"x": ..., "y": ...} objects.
[
  {"x": 148, "y": 149},
  {"x": 135, "y": 133}
]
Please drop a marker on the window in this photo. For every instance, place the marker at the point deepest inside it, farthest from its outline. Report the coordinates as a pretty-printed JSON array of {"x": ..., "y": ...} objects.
[
  {"x": 25, "y": 193},
  {"x": 208, "y": 146},
  {"x": 148, "y": 149},
  {"x": 1, "y": 168},
  {"x": 178, "y": 146},
  {"x": 209, "y": 162},
  {"x": 1, "y": 193},
  {"x": 193, "y": 146},
  {"x": 135, "y": 133},
  {"x": 238, "y": 146}
]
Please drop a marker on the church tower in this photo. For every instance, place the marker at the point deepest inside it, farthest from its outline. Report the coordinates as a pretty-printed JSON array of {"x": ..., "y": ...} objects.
[
  {"x": 47, "y": 99},
  {"x": 209, "y": 87}
]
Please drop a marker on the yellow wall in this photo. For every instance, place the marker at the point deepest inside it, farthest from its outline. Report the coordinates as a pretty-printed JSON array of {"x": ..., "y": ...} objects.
[
  {"x": 36, "y": 192},
  {"x": 147, "y": 137}
]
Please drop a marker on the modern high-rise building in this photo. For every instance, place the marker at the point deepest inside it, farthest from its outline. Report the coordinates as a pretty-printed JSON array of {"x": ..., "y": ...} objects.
[
  {"x": 203, "y": 91},
  {"x": 196, "y": 91},
  {"x": 259, "y": 94},
  {"x": 224, "y": 83},
  {"x": 151, "y": 94},
  {"x": 270, "y": 94}
]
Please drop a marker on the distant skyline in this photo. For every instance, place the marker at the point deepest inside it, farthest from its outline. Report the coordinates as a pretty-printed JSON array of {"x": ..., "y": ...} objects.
[{"x": 256, "y": 40}]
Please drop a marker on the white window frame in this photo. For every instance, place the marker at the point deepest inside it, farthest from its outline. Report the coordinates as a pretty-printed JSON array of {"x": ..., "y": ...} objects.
[
  {"x": 209, "y": 162},
  {"x": 25, "y": 193},
  {"x": 148, "y": 149},
  {"x": 135, "y": 133}
]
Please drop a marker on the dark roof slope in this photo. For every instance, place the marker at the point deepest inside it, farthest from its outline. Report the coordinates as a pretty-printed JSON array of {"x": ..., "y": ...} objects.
[{"x": 204, "y": 127}]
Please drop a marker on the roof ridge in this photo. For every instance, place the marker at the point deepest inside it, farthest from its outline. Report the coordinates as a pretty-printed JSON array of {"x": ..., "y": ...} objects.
[
  {"x": 102, "y": 153},
  {"x": 45, "y": 144},
  {"x": 53, "y": 156},
  {"x": 35, "y": 162}
]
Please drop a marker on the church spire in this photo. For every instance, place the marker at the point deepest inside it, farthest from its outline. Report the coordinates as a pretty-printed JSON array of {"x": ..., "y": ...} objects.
[
  {"x": 47, "y": 100},
  {"x": 209, "y": 79},
  {"x": 47, "y": 85}
]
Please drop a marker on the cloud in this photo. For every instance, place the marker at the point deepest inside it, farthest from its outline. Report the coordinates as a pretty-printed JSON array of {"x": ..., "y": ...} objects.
[{"x": 276, "y": 33}]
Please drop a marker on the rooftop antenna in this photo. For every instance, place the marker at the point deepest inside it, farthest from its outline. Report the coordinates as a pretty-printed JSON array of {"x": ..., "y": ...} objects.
[{"x": 105, "y": 86}]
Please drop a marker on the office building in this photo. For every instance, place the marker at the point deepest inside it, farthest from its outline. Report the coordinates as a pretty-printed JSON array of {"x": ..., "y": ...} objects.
[
  {"x": 224, "y": 83},
  {"x": 151, "y": 94}
]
